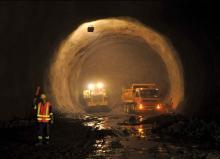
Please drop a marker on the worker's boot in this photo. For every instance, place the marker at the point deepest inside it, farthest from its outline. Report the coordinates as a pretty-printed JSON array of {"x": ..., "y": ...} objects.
[
  {"x": 40, "y": 141},
  {"x": 47, "y": 140}
]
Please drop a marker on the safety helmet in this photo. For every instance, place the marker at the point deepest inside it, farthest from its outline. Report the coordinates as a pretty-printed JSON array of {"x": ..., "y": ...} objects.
[{"x": 43, "y": 96}]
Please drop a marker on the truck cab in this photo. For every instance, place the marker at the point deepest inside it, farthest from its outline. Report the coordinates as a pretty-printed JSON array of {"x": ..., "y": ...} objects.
[{"x": 147, "y": 99}]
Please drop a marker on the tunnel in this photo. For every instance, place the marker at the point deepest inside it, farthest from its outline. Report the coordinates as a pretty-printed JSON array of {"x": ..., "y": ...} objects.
[
  {"x": 62, "y": 48},
  {"x": 119, "y": 52},
  {"x": 42, "y": 42}
]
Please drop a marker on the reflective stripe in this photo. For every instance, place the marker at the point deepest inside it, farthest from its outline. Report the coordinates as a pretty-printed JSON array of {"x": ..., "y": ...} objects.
[
  {"x": 43, "y": 116},
  {"x": 47, "y": 109},
  {"x": 45, "y": 112},
  {"x": 38, "y": 109}
]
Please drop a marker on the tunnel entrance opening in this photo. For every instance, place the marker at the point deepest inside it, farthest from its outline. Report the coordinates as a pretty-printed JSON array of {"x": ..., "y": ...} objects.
[{"x": 119, "y": 52}]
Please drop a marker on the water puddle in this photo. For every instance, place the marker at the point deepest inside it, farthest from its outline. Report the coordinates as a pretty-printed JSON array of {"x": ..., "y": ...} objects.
[
  {"x": 137, "y": 141},
  {"x": 106, "y": 148},
  {"x": 98, "y": 123}
]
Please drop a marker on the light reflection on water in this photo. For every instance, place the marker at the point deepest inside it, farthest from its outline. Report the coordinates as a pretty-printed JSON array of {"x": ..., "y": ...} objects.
[
  {"x": 99, "y": 123},
  {"x": 136, "y": 131},
  {"x": 103, "y": 149},
  {"x": 138, "y": 141},
  {"x": 111, "y": 145}
]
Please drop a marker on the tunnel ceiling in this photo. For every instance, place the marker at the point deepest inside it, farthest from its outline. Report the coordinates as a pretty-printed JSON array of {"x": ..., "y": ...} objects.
[{"x": 119, "y": 52}]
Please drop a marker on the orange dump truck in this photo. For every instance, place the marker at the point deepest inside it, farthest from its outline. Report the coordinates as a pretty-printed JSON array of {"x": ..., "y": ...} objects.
[{"x": 142, "y": 98}]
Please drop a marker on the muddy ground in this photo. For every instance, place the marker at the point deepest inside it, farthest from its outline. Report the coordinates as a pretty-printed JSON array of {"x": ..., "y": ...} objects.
[
  {"x": 69, "y": 139},
  {"x": 102, "y": 136}
]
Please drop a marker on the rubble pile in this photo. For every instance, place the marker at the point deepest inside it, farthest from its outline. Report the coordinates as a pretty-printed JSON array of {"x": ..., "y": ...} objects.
[{"x": 180, "y": 128}]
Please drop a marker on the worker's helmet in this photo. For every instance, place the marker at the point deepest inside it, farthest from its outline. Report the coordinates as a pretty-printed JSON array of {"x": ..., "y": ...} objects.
[{"x": 43, "y": 96}]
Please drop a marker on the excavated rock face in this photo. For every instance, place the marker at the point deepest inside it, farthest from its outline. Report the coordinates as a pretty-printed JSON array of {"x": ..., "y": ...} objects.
[
  {"x": 31, "y": 32},
  {"x": 119, "y": 52}
]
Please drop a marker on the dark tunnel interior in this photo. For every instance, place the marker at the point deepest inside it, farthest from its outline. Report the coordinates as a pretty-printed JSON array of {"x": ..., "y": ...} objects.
[{"x": 32, "y": 34}]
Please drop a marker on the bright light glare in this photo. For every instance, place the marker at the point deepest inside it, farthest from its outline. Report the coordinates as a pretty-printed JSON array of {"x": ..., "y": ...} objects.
[
  {"x": 100, "y": 85},
  {"x": 140, "y": 130},
  {"x": 141, "y": 106},
  {"x": 91, "y": 86},
  {"x": 158, "y": 106}
]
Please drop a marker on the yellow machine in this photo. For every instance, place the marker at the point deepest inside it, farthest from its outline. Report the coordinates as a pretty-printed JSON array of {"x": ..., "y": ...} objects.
[{"x": 95, "y": 95}]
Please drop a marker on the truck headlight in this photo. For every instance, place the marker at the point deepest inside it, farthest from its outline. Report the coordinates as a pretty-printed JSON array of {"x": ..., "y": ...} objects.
[
  {"x": 158, "y": 106},
  {"x": 91, "y": 86},
  {"x": 100, "y": 85},
  {"x": 141, "y": 106}
]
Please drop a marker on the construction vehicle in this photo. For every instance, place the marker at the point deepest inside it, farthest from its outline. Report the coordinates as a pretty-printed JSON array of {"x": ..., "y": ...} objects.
[
  {"x": 142, "y": 98},
  {"x": 95, "y": 95}
]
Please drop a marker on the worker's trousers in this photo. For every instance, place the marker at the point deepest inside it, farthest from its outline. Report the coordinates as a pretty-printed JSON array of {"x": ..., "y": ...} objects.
[{"x": 44, "y": 131}]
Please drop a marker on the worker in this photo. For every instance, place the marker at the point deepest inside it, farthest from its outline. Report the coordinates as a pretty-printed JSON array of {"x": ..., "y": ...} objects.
[{"x": 44, "y": 119}]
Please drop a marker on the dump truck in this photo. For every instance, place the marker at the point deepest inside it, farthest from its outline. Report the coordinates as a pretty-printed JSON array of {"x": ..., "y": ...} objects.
[
  {"x": 95, "y": 95},
  {"x": 141, "y": 98}
]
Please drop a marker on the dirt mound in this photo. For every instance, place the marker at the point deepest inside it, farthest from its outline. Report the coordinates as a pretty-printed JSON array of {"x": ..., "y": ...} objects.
[{"x": 178, "y": 127}]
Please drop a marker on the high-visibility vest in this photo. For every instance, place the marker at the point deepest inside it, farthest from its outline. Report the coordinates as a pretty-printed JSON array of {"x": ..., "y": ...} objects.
[{"x": 43, "y": 112}]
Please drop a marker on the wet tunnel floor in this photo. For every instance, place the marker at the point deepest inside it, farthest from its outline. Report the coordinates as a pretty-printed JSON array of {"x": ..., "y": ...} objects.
[
  {"x": 137, "y": 142},
  {"x": 96, "y": 136}
]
